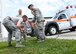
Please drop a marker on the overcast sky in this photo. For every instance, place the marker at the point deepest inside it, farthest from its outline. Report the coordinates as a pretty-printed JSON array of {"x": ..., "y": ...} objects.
[{"x": 48, "y": 7}]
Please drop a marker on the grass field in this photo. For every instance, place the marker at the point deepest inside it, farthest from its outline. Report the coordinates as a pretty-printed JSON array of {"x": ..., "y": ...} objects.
[{"x": 50, "y": 46}]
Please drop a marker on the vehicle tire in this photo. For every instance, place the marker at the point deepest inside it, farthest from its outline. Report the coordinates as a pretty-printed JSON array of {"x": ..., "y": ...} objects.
[
  {"x": 72, "y": 29},
  {"x": 52, "y": 30}
]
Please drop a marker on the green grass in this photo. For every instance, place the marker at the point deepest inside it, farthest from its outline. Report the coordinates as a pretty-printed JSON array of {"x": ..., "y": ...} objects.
[{"x": 50, "y": 46}]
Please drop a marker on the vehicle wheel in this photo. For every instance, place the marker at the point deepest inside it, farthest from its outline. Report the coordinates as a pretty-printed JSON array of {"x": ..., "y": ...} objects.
[
  {"x": 52, "y": 30},
  {"x": 72, "y": 29}
]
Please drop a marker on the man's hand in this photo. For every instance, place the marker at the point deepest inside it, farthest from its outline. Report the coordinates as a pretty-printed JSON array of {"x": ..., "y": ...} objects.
[
  {"x": 22, "y": 29},
  {"x": 34, "y": 25}
]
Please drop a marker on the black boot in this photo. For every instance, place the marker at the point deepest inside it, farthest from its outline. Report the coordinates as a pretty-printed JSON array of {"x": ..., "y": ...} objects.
[{"x": 9, "y": 44}]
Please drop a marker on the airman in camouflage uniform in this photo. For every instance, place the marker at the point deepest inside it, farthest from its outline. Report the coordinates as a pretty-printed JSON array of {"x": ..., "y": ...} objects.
[
  {"x": 39, "y": 22},
  {"x": 11, "y": 27}
]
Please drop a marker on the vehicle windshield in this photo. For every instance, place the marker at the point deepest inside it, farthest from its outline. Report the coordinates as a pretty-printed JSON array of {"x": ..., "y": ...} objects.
[{"x": 55, "y": 16}]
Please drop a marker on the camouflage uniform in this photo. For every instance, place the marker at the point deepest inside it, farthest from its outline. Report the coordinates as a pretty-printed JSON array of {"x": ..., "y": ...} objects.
[
  {"x": 24, "y": 33},
  {"x": 27, "y": 28},
  {"x": 39, "y": 19},
  {"x": 11, "y": 27}
]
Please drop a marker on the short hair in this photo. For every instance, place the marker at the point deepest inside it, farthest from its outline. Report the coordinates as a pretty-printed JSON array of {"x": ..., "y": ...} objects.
[
  {"x": 20, "y": 10},
  {"x": 24, "y": 16},
  {"x": 30, "y": 5}
]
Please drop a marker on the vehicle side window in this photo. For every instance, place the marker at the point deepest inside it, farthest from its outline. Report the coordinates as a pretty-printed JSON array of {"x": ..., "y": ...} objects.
[{"x": 62, "y": 16}]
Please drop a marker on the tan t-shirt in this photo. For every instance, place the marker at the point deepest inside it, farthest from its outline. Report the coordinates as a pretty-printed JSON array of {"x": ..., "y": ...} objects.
[{"x": 20, "y": 20}]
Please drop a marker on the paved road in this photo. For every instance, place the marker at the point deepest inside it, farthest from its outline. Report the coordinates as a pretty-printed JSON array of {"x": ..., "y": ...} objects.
[{"x": 64, "y": 35}]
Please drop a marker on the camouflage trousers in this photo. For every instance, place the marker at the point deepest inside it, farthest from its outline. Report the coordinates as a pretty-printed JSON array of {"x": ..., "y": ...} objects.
[
  {"x": 23, "y": 34},
  {"x": 12, "y": 29},
  {"x": 39, "y": 31}
]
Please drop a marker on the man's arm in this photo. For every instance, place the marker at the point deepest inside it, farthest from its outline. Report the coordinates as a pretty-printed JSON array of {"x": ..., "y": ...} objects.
[
  {"x": 19, "y": 23},
  {"x": 38, "y": 16}
]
